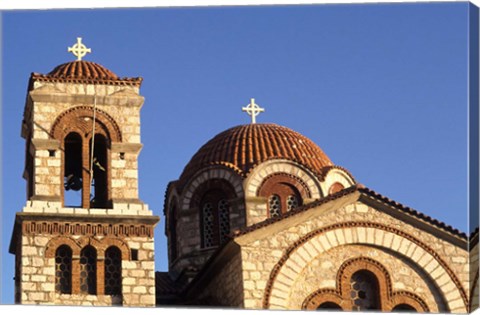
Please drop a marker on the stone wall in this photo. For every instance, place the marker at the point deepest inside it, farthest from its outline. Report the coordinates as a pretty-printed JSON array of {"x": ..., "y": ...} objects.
[
  {"x": 474, "y": 274},
  {"x": 38, "y": 271},
  {"x": 268, "y": 256},
  {"x": 226, "y": 287},
  {"x": 48, "y": 102},
  {"x": 189, "y": 233}
]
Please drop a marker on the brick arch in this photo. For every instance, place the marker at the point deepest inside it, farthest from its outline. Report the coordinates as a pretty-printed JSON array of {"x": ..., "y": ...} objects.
[
  {"x": 95, "y": 243},
  {"x": 102, "y": 245},
  {"x": 286, "y": 178},
  {"x": 108, "y": 242},
  {"x": 350, "y": 233},
  {"x": 337, "y": 178},
  {"x": 213, "y": 173},
  {"x": 259, "y": 174},
  {"x": 58, "y": 241},
  {"x": 68, "y": 121},
  {"x": 341, "y": 294}
]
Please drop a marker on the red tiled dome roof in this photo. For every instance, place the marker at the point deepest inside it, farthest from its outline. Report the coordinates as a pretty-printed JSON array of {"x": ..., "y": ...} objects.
[
  {"x": 243, "y": 147},
  {"x": 84, "y": 72}
]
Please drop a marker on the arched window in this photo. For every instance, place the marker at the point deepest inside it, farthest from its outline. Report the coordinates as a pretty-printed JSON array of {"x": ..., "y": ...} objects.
[
  {"x": 274, "y": 205},
  {"x": 215, "y": 211},
  {"x": 88, "y": 270},
  {"x": 73, "y": 170},
  {"x": 283, "y": 192},
  {"x": 364, "y": 291},
  {"x": 63, "y": 270},
  {"x": 329, "y": 306},
  {"x": 404, "y": 308},
  {"x": 75, "y": 129},
  {"x": 336, "y": 187},
  {"x": 113, "y": 271},
  {"x": 99, "y": 183}
]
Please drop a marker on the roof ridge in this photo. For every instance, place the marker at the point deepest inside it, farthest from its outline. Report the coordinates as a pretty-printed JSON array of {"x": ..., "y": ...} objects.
[{"x": 362, "y": 189}]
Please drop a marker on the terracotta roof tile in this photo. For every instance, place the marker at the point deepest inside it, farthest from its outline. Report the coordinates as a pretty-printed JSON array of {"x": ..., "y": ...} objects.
[
  {"x": 84, "y": 72},
  {"x": 243, "y": 147},
  {"x": 362, "y": 189}
]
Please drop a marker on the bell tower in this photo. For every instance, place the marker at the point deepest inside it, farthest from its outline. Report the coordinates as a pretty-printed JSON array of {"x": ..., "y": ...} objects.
[{"x": 84, "y": 237}]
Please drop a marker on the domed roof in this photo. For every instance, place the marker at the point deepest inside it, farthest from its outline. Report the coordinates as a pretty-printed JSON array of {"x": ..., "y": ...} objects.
[
  {"x": 243, "y": 147},
  {"x": 81, "y": 71}
]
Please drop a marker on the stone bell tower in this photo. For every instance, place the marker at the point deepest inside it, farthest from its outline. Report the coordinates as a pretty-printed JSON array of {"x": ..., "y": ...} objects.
[{"x": 84, "y": 237}]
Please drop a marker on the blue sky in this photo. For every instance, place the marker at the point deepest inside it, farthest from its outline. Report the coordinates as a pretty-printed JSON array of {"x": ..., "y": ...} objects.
[{"x": 382, "y": 89}]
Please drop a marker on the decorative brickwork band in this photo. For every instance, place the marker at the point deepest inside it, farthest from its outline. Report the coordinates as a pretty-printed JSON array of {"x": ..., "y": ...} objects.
[
  {"x": 76, "y": 246},
  {"x": 348, "y": 225},
  {"x": 64, "y": 228},
  {"x": 342, "y": 294}
]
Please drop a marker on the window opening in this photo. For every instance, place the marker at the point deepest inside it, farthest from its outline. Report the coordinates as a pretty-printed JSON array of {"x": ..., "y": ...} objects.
[
  {"x": 224, "y": 219},
  {"x": 98, "y": 188},
  {"x": 73, "y": 170},
  {"x": 404, "y": 308},
  {"x": 208, "y": 225},
  {"x": 329, "y": 306},
  {"x": 88, "y": 270},
  {"x": 275, "y": 206},
  {"x": 364, "y": 291},
  {"x": 113, "y": 271},
  {"x": 134, "y": 253},
  {"x": 63, "y": 270},
  {"x": 292, "y": 202}
]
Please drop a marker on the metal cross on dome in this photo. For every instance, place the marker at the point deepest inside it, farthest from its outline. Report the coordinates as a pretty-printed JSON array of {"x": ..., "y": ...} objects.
[
  {"x": 253, "y": 109},
  {"x": 79, "y": 49}
]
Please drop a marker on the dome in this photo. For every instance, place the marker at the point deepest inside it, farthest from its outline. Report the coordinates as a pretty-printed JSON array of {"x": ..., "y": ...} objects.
[
  {"x": 243, "y": 147},
  {"x": 84, "y": 72}
]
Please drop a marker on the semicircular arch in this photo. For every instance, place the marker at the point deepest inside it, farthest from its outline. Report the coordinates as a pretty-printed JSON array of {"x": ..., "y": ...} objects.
[
  {"x": 367, "y": 233},
  {"x": 77, "y": 118}
]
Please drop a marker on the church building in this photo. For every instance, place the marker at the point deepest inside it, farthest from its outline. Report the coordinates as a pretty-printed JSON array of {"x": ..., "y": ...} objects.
[{"x": 260, "y": 218}]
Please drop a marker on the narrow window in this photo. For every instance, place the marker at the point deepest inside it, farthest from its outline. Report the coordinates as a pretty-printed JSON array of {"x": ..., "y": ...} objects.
[
  {"x": 113, "y": 271},
  {"x": 292, "y": 202},
  {"x": 329, "y": 306},
  {"x": 364, "y": 291},
  {"x": 283, "y": 193},
  {"x": 404, "y": 308},
  {"x": 73, "y": 171},
  {"x": 275, "y": 205},
  {"x": 224, "y": 219},
  {"x": 63, "y": 270},
  {"x": 99, "y": 187},
  {"x": 88, "y": 270},
  {"x": 215, "y": 210},
  {"x": 208, "y": 225}
]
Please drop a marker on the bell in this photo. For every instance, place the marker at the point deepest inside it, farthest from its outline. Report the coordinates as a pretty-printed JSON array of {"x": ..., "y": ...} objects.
[{"x": 73, "y": 183}]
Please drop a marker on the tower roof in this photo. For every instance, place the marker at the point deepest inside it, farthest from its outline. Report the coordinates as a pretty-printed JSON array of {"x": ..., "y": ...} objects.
[
  {"x": 82, "y": 71},
  {"x": 243, "y": 147}
]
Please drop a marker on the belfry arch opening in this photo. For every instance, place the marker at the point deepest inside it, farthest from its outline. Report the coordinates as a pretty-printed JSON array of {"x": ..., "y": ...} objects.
[
  {"x": 73, "y": 170},
  {"x": 99, "y": 172}
]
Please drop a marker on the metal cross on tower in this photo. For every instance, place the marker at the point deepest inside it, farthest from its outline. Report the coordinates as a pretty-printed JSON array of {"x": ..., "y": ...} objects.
[
  {"x": 253, "y": 109},
  {"x": 79, "y": 49}
]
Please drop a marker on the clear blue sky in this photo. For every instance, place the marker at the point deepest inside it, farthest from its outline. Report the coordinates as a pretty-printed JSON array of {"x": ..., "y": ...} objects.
[{"x": 382, "y": 89}]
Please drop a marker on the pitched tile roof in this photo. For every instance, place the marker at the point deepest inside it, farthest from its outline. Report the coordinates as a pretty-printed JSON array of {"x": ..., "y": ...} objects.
[{"x": 365, "y": 191}]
